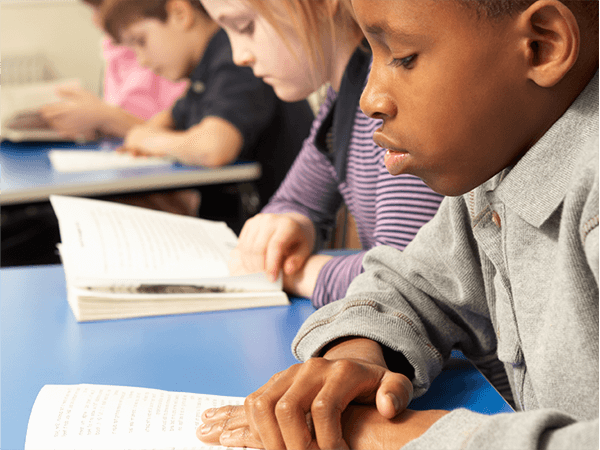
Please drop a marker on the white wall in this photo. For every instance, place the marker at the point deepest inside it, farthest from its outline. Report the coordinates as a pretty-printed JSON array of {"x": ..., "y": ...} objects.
[{"x": 61, "y": 29}]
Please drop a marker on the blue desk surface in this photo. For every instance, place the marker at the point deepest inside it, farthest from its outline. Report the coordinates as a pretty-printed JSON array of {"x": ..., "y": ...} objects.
[
  {"x": 28, "y": 176},
  {"x": 226, "y": 353}
]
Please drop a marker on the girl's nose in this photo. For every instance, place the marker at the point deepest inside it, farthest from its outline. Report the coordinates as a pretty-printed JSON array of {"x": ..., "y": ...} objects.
[{"x": 243, "y": 58}]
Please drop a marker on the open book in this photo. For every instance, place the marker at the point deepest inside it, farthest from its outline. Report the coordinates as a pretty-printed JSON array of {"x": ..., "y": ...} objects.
[
  {"x": 125, "y": 261},
  {"x": 97, "y": 417},
  {"x": 20, "y": 117}
]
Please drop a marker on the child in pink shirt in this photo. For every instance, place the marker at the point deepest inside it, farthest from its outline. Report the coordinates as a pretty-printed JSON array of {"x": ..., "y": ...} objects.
[
  {"x": 135, "y": 88},
  {"x": 132, "y": 94}
]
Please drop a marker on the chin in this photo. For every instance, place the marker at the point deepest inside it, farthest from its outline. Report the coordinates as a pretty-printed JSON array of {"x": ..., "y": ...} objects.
[{"x": 290, "y": 95}]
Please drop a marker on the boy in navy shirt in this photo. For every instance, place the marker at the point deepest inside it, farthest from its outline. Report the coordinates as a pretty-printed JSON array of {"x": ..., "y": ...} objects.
[{"x": 226, "y": 114}]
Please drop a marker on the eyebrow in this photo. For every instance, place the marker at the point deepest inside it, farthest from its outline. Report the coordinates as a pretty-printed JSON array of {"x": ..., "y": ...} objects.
[{"x": 380, "y": 31}]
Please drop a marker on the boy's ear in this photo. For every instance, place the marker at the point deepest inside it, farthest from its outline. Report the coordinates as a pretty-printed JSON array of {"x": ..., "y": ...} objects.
[
  {"x": 180, "y": 12},
  {"x": 552, "y": 39}
]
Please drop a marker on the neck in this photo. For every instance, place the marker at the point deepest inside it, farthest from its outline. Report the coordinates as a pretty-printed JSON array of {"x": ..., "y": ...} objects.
[
  {"x": 201, "y": 34},
  {"x": 342, "y": 47}
]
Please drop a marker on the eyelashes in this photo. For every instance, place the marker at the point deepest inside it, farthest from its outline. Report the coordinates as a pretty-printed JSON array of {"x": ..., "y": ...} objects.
[
  {"x": 407, "y": 62},
  {"x": 247, "y": 28}
]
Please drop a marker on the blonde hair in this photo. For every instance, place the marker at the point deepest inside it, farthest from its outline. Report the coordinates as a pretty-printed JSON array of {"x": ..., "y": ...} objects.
[{"x": 308, "y": 18}]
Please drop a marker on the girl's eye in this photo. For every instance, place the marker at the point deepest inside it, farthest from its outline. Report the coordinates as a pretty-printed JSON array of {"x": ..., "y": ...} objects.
[
  {"x": 407, "y": 62},
  {"x": 140, "y": 42},
  {"x": 246, "y": 28}
]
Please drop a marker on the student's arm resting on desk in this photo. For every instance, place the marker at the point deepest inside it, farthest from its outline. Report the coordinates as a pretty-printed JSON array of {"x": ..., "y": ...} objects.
[
  {"x": 351, "y": 370},
  {"x": 213, "y": 142},
  {"x": 447, "y": 309}
]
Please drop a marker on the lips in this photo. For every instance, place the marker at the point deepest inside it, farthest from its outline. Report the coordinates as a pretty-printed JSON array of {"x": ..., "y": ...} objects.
[{"x": 395, "y": 158}]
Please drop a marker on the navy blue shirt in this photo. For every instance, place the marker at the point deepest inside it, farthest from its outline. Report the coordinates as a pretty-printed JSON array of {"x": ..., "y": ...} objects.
[{"x": 273, "y": 131}]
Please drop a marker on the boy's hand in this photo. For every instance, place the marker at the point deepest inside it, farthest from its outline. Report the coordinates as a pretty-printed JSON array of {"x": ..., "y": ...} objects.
[
  {"x": 272, "y": 243},
  {"x": 275, "y": 416},
  {"x": 144, "y": 140},
  {"x": 363, "y": 428}
]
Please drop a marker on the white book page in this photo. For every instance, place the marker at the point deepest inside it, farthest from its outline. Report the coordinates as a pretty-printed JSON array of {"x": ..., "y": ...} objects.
[
  {"x": 94, "y": 417},
  {"x": 30, "y": 97},
  {"x": 120, "y": 243},
  {"x": 67, "y": 160}
]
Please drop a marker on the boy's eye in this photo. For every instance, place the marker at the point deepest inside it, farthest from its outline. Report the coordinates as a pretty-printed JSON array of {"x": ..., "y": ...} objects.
[
  {"x": 138, "y": 41},
  {"x": 407, "y": 62}
]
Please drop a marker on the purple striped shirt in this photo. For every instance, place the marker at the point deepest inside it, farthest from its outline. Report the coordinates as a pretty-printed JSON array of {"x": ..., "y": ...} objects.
[{"x": 388, "y": 210}]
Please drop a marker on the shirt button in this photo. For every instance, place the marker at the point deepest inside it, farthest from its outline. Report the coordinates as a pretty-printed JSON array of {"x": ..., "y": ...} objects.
[
  {"x": 496, "y": 219},
  {"x": 198, "y": 87}
]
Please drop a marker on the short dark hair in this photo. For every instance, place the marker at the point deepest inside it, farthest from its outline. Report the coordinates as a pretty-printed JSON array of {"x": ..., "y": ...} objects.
[
  {"x": 117, "y": 14},
  {"x": 96, "y": 3},
  {"x": 496, "y": 9}
]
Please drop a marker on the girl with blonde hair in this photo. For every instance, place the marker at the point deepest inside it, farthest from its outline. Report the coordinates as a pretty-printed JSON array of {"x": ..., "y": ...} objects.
[{"x": 296, "y": 47}]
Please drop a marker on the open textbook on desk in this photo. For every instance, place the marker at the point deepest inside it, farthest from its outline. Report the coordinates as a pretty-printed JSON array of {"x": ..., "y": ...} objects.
[
  {"x": 97, "y": 417},
  {"x": 124, "y": 261},
  {"x": 20, "y": 116}
]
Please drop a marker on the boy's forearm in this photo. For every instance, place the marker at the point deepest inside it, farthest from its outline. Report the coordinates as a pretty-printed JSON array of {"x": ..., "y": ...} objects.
[{"x": 214, "y": 142}]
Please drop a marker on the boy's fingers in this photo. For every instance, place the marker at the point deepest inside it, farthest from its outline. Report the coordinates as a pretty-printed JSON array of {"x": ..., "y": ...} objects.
[
  {"x": 260, "y": 406},
  {"x": 241, "y": 437},
  {"x": 394, "y": 394},
  {"x": 295, "y": 411}
]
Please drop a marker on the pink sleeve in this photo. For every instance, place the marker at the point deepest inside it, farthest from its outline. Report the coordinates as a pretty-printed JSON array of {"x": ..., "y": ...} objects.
[{"x": 135, "y": 88}]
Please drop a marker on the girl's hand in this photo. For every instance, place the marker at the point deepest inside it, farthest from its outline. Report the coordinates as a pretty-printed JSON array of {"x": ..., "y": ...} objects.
[
  {"x": 275, "y": 416},
  {"x": 272, "y": 243}
]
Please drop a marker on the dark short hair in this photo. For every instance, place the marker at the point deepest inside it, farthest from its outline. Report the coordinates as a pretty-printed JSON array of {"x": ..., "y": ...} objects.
[
  {"x": 496, "y": 9},
  {"x": 96, "y": 3},
  {"x": 118, "y": 14}
]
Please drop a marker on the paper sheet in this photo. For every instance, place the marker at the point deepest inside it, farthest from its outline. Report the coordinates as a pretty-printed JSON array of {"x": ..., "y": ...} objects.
[
  {"x": 96, "y": 417},
  {"x": 66, "y": 160}
]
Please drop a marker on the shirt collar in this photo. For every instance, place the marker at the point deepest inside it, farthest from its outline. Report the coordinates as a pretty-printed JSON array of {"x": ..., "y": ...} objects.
[
  {"x": 537, "y": 184},
  {"x": 340, "y": 120},
  {"x": 217, "y": 47}
]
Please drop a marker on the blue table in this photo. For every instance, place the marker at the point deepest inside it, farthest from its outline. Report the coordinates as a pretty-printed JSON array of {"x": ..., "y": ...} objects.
[
  {"x": 226, "y": 353},
  {"x": 28, "y": 176}
]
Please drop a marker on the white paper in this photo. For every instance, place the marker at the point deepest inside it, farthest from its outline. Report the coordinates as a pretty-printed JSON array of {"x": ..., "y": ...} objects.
[
  {"x": 66, "y": 160},
  {"x": 94, "y": 417},
  {"x": 20, "y": 104},
  {"x": 111, "y": 241}
]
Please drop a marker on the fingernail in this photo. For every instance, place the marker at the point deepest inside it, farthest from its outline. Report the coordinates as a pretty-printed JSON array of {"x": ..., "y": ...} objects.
[
  {"x": 205, "y": 428},
  {"x": 210, "y": 412},
  {"x": 395, "y": 401},
  {"x": 226, "y": 435}
]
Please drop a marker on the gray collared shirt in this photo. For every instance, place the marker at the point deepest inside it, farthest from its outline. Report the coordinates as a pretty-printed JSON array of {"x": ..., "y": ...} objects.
[{"x": 509, "y": 269}]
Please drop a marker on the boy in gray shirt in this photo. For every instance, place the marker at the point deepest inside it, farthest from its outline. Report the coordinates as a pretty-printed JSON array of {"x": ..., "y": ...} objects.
[{"x": 494, "y": 104}]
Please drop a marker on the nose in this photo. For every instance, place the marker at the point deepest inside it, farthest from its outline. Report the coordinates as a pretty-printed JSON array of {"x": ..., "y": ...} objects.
[
  {"x": 376, "y": 100},
  {"x": 242, "y": 56}
]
